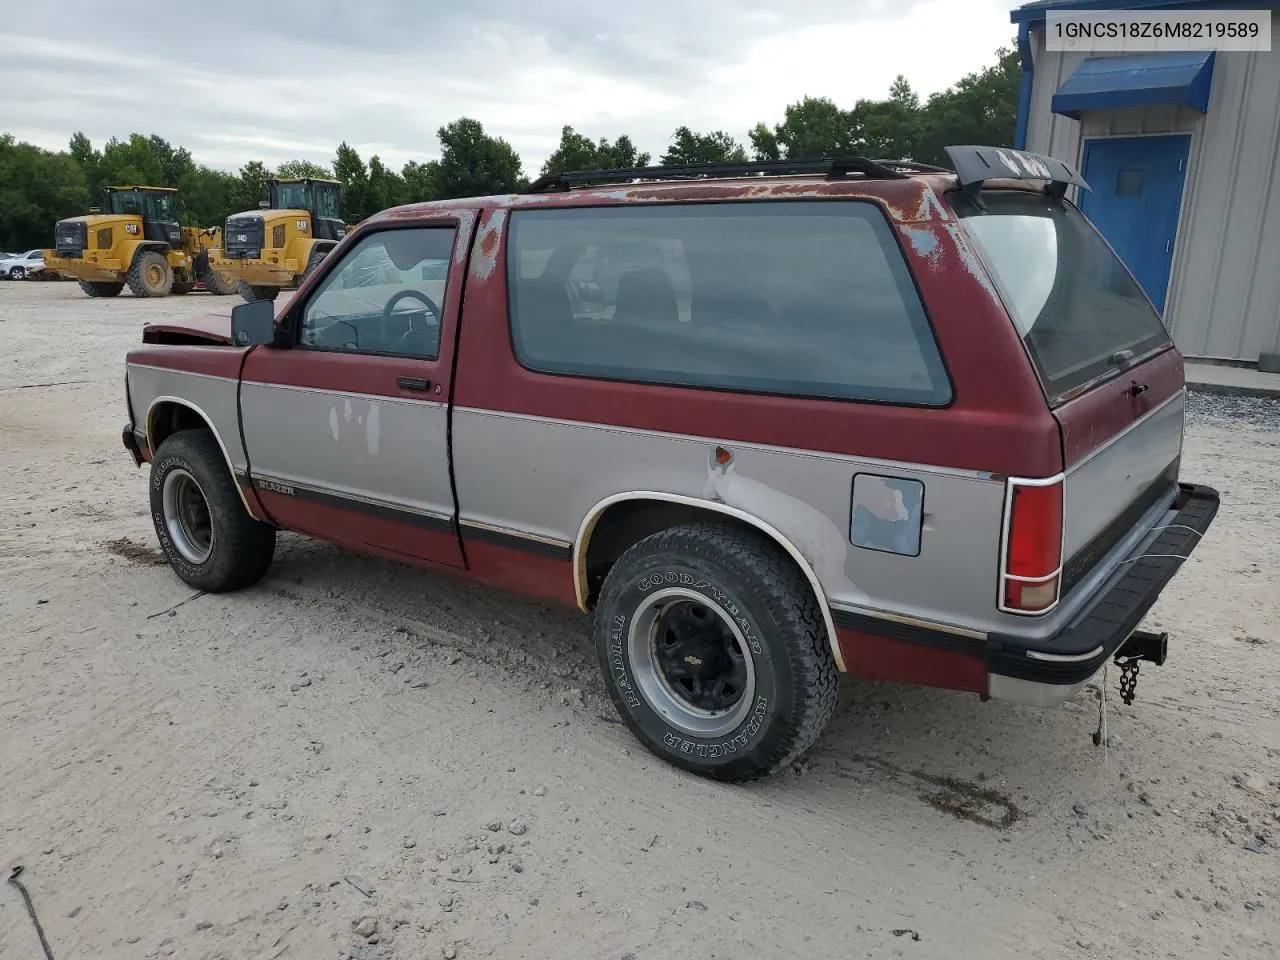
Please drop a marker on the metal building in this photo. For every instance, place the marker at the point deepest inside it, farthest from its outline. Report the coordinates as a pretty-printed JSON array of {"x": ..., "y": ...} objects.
[{"x": 1180, "y": 151}]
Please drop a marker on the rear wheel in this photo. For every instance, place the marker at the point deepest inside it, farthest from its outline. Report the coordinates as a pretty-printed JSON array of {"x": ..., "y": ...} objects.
[
  {"x": 253, "y": 292},
  {"x": 203, "y": 527},
  {"x": 150, "y": 275},
  {"x": 221, "y": 284},
  {"x": 100, "y": 288},
  {"x": 714, "y": 651}
]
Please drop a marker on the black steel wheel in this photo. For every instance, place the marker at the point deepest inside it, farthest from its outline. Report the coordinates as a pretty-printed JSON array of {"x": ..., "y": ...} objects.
[{"x": 714, "y": 650}]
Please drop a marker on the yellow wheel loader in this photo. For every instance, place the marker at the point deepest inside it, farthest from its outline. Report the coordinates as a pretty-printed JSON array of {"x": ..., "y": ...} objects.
[
  {"x": 277, "y": 246},
  {"x": 137, "y": 243}
]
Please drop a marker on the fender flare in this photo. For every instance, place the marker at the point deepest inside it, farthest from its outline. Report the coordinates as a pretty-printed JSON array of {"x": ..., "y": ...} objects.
[
  {"x": 208, "y": 421},
  {"x": 583, "y": 539}
]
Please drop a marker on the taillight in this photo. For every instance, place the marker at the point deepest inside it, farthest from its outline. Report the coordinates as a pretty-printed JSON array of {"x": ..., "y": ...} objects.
[{"x": 1032, "y": 562}]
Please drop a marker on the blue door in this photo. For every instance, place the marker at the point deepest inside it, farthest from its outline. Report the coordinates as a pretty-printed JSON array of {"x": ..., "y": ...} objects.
[{"x": 1135, "y": 197}]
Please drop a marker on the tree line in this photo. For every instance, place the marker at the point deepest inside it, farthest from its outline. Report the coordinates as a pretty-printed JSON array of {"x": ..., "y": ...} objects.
[{"x": 39, "y": 187}]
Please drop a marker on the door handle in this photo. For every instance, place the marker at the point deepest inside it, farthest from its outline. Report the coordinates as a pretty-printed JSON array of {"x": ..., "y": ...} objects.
[{"x": 413, "y": 383}]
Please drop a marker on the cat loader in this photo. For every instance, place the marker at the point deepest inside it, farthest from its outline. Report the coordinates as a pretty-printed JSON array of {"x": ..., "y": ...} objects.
[
  {"x": 137, "y": 243},
  {"x": 276, "y": 246}
]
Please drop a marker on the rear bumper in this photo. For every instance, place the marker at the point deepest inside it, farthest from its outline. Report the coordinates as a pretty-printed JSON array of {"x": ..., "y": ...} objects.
[{"x": 1047, "y": 672}]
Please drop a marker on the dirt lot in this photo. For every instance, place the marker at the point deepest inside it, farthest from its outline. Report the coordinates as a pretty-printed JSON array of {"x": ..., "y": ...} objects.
[{"x": 358, "y": 759}]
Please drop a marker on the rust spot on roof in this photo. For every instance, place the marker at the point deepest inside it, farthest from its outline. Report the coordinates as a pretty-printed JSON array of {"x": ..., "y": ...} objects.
[{"x": 487, "y": 248}]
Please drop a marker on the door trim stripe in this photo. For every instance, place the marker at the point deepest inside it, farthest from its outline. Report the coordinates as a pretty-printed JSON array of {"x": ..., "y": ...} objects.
[
  {"x": 344, "y": 501},
  {"x": 516, "y": 540}
]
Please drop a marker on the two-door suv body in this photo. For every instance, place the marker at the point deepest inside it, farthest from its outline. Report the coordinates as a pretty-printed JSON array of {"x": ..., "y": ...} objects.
[{"x": 769, "y": 422}]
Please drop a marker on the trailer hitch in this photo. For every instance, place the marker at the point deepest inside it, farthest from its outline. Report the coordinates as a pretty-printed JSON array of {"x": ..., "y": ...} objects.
[{"x": 1141, "y": 645}]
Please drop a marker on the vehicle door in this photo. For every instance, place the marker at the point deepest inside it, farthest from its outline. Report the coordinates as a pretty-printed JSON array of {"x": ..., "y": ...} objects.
[{"x": 346, "y": 428}]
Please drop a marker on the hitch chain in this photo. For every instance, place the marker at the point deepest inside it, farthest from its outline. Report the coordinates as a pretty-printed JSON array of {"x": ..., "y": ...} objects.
[{"x": 1128, "y": 679}]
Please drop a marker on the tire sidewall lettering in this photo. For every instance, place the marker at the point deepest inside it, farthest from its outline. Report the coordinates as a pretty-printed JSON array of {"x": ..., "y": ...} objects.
[
  {"x": 158, "y": 472},
  {"x": 722, "y": 748}
]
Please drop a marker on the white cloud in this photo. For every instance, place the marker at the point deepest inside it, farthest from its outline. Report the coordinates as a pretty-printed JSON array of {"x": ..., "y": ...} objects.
[{"x": 386, "y": 75}]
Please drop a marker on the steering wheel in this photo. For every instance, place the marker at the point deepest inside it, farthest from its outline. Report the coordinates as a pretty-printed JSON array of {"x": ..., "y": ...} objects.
[{"x": 432, "y": 307}]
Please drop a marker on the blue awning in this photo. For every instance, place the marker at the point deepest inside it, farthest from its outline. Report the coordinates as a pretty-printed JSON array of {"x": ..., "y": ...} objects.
[{"x": 1137, "y": 80}]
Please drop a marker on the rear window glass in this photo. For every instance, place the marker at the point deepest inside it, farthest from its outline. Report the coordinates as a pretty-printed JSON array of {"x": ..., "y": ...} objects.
[
  {"x": 805, "y": 299},
  {"x": 1075, "y": 304}
]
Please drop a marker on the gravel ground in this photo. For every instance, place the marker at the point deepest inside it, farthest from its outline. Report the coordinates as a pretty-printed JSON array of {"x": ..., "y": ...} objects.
[{"x": 361, "y": 760}]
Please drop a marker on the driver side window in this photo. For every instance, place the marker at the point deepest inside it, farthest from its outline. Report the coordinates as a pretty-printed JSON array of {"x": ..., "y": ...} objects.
[{"x": 385, "y": 297}]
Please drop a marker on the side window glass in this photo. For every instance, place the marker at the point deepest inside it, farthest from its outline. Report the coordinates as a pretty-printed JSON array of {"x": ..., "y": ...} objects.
[
  {"x": 385, "y": 297},
  {"x": 801, "y": 299}
]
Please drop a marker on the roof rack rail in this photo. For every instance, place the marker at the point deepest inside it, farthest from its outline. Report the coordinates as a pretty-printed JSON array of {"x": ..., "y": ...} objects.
[
  {"x": 913, "y": 166},
  {"x": 834, "y": 168}
]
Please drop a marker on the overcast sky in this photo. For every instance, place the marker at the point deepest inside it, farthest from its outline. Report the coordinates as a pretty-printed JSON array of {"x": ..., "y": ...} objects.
[{"x": 283, "y": 79}]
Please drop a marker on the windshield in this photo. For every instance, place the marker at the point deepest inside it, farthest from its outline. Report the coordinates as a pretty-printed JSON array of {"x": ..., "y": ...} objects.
[
  {"x": 326, "y": 201},
  {"x": 293, "y": 196},
  {"x": 152, "y": 206},
  {"x": 1073, "y": 301}
]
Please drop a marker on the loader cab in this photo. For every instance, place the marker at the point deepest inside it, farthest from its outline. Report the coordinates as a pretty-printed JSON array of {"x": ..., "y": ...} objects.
[
  {"x": 320, "y": 198},
  {"x": 157, "y": 206}
]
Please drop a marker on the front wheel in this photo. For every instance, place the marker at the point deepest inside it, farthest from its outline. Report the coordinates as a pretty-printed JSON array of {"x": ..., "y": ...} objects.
[
  {"x": 714, "y": 651},
  {"x": 17, "y": 273},
  {"x": 203, "y": 527},
  {"x": 150, "y": 275}
]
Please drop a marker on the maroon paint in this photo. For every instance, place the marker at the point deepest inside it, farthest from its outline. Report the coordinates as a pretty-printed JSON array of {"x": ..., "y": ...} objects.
[
  {"x": 521, "y": 572},
  {"x": 883, "y": 659},
  {"x": 999, "y": 424},
  {"x": 213, "y": 361},
  {"x": 215, "y": 327},
  {"x": 250, "y": 493},
  {"x": 408, "y": 541},
  {"x": 1095, "y": 417}
]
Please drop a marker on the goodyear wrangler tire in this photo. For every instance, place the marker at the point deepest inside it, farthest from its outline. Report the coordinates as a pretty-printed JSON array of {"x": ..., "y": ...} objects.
[
  {"x": 150, "y": 275},
  {"x": 100, "y": 288},
  {"x": 714, "y": 651},
  {"x": 210, "y": 539}
]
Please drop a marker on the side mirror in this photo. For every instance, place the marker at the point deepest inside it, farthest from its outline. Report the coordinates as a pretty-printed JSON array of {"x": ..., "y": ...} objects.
[
  {"x": 264, "y": 204},
  {"x": 253, "y": 324}
]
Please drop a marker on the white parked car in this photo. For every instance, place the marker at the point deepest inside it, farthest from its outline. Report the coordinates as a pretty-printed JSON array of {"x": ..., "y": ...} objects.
[{"x": 19, "y": 267}]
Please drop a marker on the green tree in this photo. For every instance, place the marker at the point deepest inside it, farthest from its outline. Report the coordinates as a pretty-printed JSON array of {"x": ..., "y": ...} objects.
[
  {"x": 252, "y": 186},
  {"x": 577, "y": 152},
  {"x": 209, "y": 197},
  {"x": 303, "y": 170},
  {"x": 814, "y": 128},
  {"x": 619, "y": 155},
  {"x": 981, "y": 107},
  {"x": 386, "y": 187},
  {"x": 421, "y": 181},
  {"x": 473, "y": 164},
  {"x": 37, "y": 188},
  {"x": 137, "y": 160},
  {"x": 350, "y": 169},
  {"x": 715, "y": 147},
  {"x": 764, "y": 143},
  {"x": 888, "y": 129}
]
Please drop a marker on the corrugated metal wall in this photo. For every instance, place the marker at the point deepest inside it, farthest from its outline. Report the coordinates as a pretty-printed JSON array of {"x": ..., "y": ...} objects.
[{"x": 1224, "y": 293}]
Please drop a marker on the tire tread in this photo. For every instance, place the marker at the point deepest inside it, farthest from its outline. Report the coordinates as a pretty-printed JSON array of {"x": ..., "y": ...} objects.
[
  {"x": 787, "y": 598},
  {"x": 247, "y": 545}
]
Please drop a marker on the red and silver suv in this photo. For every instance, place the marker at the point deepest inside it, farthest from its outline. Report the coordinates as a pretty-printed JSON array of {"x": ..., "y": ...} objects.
[{"x": 768, "y": 422}]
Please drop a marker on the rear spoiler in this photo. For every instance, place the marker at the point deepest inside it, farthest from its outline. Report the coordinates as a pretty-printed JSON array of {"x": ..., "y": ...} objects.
[{"x": 974, "y": 164}]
